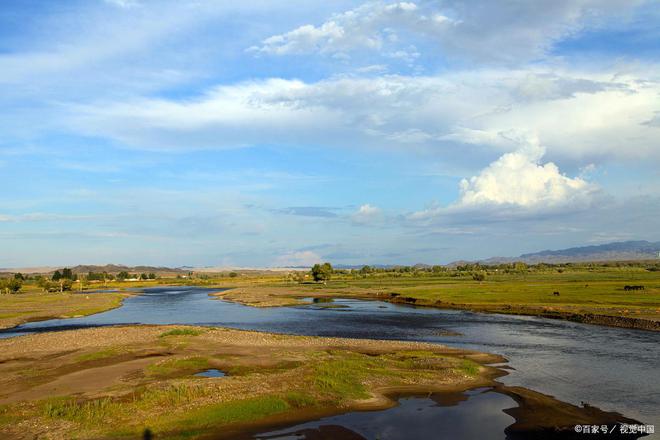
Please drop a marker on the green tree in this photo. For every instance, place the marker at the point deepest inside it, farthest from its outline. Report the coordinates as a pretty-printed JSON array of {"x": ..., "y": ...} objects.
[
  {"x": 121, "y": 276},
  {"x": 322, "y": 272},
  {"x": 152, "y": 276},
  {"x": 56, "y": 276},
  {"x": 479, "y": 276},
  {"x": 13, "y": 285},
  {"x": 68, "y": 274}
]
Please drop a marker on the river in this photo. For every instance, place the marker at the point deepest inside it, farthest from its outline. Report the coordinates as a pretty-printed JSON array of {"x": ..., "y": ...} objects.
[{"x": 614, "y": 369}]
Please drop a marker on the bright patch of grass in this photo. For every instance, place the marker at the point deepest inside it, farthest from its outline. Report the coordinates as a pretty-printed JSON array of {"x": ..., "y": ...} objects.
[
  {"x": 469, "y": 367},
  {"x": 199, "y": 421},
  {"x": 181, "y": 332},
  {"x": 171, "y": 367},
  {"x": 342, "y": 375},
  {"x": 6, "y": 416},
  {"x": 298, "y": 399},
  {"x": 88, "y": 412}
]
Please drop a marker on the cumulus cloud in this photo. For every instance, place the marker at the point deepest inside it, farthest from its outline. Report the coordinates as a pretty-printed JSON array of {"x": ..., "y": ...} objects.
[
  {"x": 504, "y": 31},
  {"x": 370, "y": 26},
  {"x": 519, "y": 179},
  {"x": 296, "y": 259},
  {"x": 366, "y": 214},
  {"x": 515, "y": 186}
]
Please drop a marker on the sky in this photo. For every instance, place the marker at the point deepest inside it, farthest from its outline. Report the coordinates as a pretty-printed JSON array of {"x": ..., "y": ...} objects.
[{"x": 285, "y": 133}]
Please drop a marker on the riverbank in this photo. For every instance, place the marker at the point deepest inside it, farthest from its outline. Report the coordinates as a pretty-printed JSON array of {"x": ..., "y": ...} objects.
[
  {"x": 34, "y": 305},
  {"x": 117, "y": 381},
  {"x": 604, "y": 303}
]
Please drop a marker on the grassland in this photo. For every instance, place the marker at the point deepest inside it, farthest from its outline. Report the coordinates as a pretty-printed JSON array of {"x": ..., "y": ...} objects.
[
  {"x": 115, "y": 382},
  {"x": 594, "y": 295},
  {"x": 36, "y": 305}
]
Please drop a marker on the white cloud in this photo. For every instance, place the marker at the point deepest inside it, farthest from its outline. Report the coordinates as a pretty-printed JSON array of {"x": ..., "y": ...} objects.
[
  {"x": 516, "y": 186},
  {"x": 519, "y": 179},
  {"x": 369, "y": 26},
  {"x": 579, "y": 116},
  {"x": 123, "y": 3},
  {"x": 502, "y": 31},
  {"x": 300, "y": 258},
  {"x": 366, "y": 214}
]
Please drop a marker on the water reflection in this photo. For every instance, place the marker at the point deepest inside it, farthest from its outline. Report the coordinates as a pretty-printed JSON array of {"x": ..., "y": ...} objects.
[{"x": 475, "y": 414}]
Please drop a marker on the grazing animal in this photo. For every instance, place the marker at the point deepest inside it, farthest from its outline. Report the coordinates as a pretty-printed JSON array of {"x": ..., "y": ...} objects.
[
  {"x": 633, "y": 287},
  {"x": 555, "y": 293}
]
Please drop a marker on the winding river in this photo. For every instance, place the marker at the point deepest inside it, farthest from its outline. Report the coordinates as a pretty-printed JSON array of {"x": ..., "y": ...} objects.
[{"x": 612, "y": 368}]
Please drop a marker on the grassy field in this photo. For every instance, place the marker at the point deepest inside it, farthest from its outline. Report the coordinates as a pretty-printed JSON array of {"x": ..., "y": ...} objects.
[
  {"x": 115, "y": 382},
  {"x": 597, "y": 291},
  {"x": 36, "y": 305}
]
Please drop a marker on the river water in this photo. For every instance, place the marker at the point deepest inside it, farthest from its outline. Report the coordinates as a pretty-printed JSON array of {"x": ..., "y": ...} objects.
[{"x": 612, "y": 368}]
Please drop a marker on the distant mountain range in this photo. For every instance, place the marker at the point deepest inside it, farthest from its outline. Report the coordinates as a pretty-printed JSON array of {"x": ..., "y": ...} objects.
[
  {"x": 109, "y": 268},
  {"x": 618, "y": 251}
]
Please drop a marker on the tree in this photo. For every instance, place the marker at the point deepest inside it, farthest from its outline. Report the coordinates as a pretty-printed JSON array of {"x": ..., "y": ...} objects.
[
  {"x": 322, "y": 272},
  {"x": 11, "y": 285},
  {"x": 121, "y": 276},
  {"x": 68, "y": 274},
  {"x": 144, "y": 276},
  {"x": 152, "y": 276},
  {"x": 479, "y": 276},
  {"x": 56, "y": 276},
  {"x": 19, "y": 276}
]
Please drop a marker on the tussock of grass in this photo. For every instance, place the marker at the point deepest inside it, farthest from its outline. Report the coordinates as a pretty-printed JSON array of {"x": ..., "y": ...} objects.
[
  {"x": 181, "y": 332},
  {"x": 6, "y": 416},
  {"x": 198, "y": 421},
  {"x": 171, "y": 367},
  {"x": 342, "y": 376},
  {"x": 469, "y": 367},
  {"x": 91, "y": 411},
  {"x": 298, "y": 399}
]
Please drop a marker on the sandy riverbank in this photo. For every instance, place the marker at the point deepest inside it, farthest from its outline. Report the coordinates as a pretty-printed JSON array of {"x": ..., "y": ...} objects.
[{"x": 119, "y": 381}]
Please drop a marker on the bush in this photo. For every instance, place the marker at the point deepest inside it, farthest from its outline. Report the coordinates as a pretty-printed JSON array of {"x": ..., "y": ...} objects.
[{"x": 479, "y": 276}]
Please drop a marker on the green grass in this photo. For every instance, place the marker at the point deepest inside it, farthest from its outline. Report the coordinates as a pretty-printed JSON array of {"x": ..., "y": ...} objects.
[
  {"x": 173, "y": 367},
  {"x": 598, "y": 289},
  {"x": 341, "y": 376},
  {"x": 300, "y": 399},
  {"x": 6, "y": 416},
  {"x": 87, "y": 412},
  {"x": 199, "y": 421},
  {"x": 469, "y": 367},
  {"x": 181, "y": 332}
]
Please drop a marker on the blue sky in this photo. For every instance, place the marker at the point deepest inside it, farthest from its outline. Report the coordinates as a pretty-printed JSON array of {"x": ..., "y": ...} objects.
[{"x": 271, "y": 133}]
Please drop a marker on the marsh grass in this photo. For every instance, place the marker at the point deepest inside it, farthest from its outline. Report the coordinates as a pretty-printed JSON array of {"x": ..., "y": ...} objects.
[
  {"x": 469, "y": 367},
  {"x": 6, "y": 416},
  {"x": 328, "y": 378},
  {"x": 342, "y": 376},
  {"x": 181, "y": 332},
  {"x": 173, "y": 367}
]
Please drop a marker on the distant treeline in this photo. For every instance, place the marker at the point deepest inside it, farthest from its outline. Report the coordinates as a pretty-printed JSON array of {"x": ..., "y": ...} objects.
[{"x": 477, "y": 271}]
